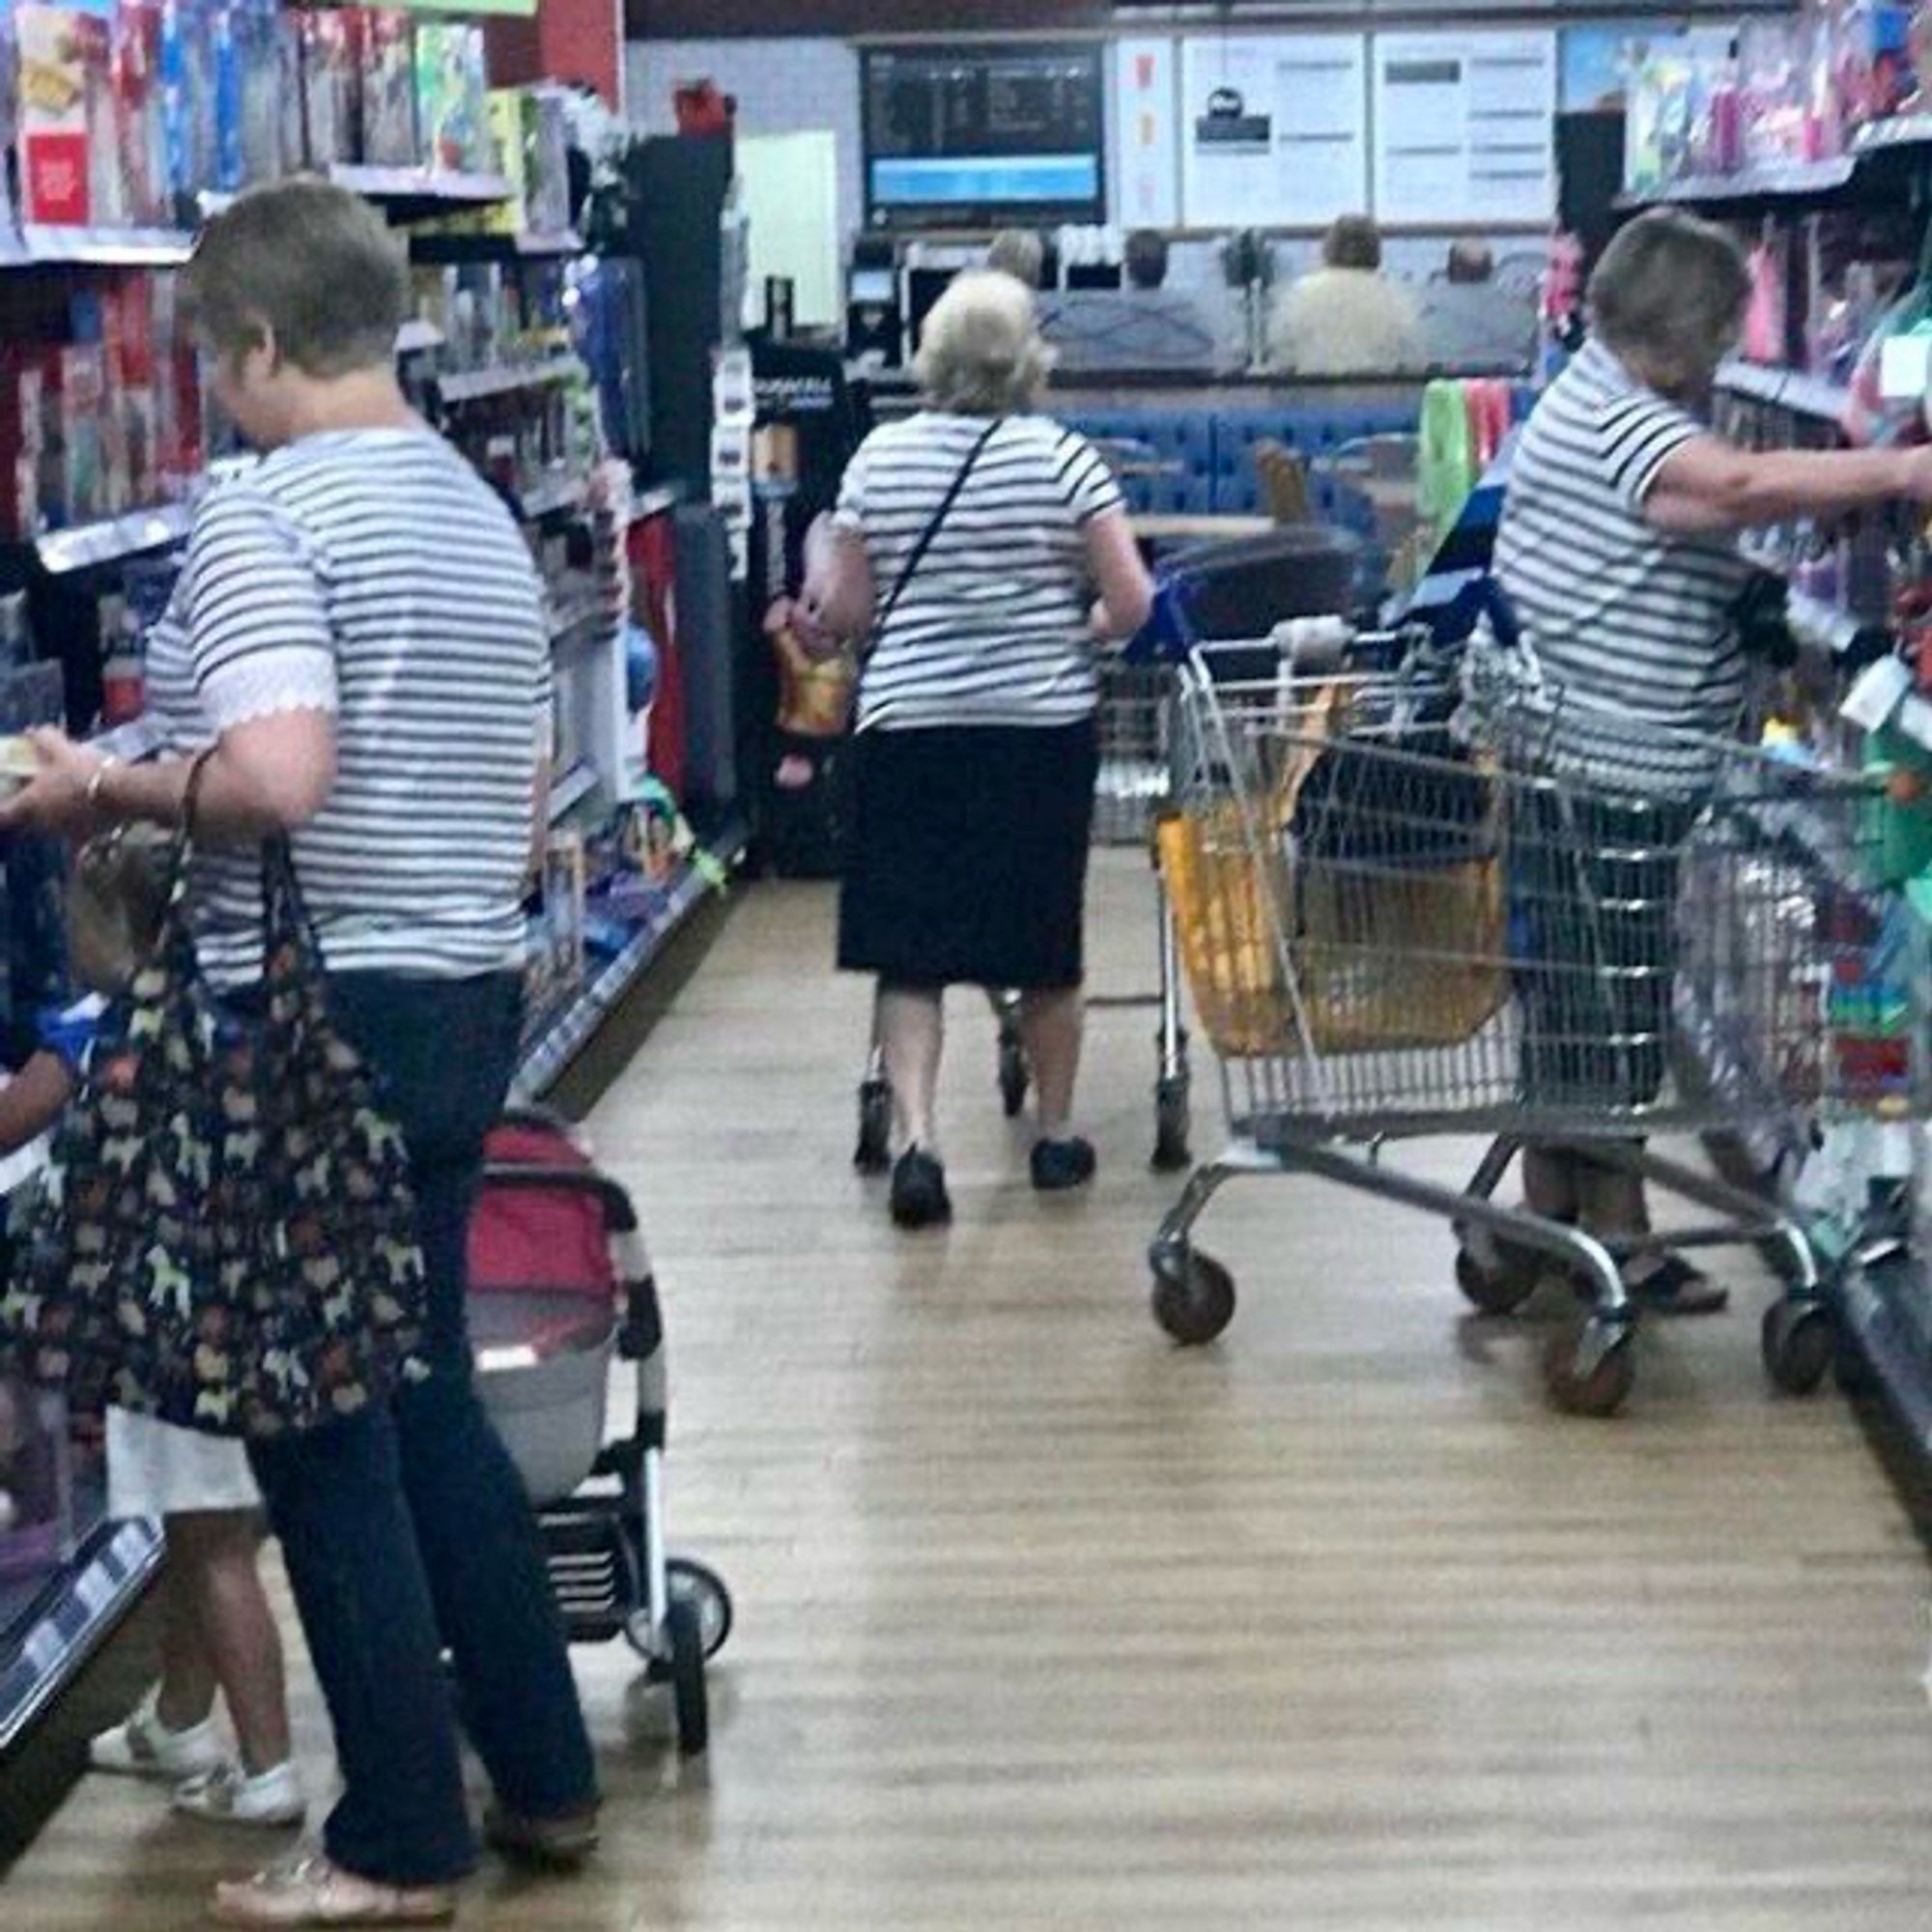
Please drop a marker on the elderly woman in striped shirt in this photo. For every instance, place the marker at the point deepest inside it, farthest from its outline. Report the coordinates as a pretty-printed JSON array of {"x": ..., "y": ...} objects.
[
  {"x": 987, "y": 553},
  {"x": 1618, "y": 557}
]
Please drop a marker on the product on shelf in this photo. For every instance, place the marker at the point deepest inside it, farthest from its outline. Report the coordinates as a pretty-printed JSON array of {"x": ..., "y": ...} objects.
[
  {"x": 389, "y": 136},
  {"x": 66, "y": 105},
  {"x": 331, "y": 88},
  {"x": 450, "y": 96},
  {"x": 140, "y": 125}
]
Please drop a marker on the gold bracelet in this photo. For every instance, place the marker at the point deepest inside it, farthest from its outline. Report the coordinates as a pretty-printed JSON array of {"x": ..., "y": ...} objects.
[{"x": 99, "y": 779}]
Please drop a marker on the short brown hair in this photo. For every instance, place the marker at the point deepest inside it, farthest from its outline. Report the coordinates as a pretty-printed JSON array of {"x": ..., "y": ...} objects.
[
  {"x": 1668, "y": 297},
  {"x": 309, "y": 261},
  {"x": 1354, "y": 241}
]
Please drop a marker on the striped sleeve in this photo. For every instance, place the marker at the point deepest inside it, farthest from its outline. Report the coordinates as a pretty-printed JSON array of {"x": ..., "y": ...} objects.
[
  {"x": 1084, "y": 481},
  {"x": 1640, "y": 434},
  {"x": 258, "y": 624}
]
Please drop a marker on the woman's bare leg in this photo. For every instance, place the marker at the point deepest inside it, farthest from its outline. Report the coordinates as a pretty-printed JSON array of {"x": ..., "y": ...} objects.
[
  {"x": 219, "y": 1554},
  {"x": 1052, "y": 1026},
  {"x": 186, "y": 1694},
  {"x": 912, "y": 1034}
]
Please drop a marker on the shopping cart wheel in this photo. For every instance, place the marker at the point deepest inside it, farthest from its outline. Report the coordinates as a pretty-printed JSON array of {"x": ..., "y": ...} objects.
[
  {"x": 1193, "y": 1296},
  {"x": 1173, "y": 1122},
  {"x": 691, "y": 1702},
  {"x": 1590, "y": 1366},
  {"x": 1016, "y": 1076},
  {"x": 1800, "y": 1341},
  {"x": 1502, "y": 1285},
  {"x": 874, "y": 1151},
  {"x": 699, "y": 1583}
]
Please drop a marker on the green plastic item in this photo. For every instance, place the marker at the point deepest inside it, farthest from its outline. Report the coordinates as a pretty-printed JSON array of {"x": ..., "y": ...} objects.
[{"x": 1894, "y": 840}]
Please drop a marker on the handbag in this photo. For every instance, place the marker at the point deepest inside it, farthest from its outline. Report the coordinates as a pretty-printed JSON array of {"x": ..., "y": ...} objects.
[{"x": 226, "y": 1236}]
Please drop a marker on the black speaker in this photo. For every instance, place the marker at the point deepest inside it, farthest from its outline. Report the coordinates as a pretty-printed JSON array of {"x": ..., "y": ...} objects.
[{"x": 1589, "y": 178}]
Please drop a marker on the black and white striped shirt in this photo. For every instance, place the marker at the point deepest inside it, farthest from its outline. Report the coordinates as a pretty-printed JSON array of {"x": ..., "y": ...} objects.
[
  {"x": 373, "y": 575},
  {"x": 1633, "y": 625},
  {"x": 993, "y": 627}
]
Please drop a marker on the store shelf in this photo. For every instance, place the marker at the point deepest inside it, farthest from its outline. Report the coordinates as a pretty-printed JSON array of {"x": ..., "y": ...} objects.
[
  {"x": 570, "y": 791},
  {"x": 579, "y": 617},
  {"x": 424, "y": 190},
  {"x": 521, "y": 245},
  {"x": 88, "y": 545},
  {"x": 1902, "y": 131},
  {"x": 557, "y": 1043},
  {"x": 472, "y": 386},
  {"x": 1790, "y": 389},
  {"x": 1907, "y": 135},
  {"x": 1788, "y": 180},
  {"x": 655, "y": 502},
  {"x": 71, "y": 1617},
  {"x": 551, "y": 497},
  {"x": 1874, "y": 1305},
  {"x": 1820, "y": 627},
  {"x": 416, "y": 338},
  {"x": 41, "y": 247}
]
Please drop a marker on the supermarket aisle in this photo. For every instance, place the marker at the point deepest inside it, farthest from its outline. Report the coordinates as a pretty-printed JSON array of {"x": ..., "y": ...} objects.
[{"x": 1042, "y": 1624}]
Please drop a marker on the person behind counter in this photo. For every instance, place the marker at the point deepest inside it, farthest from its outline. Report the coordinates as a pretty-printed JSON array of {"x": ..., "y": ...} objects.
[
  {"x": 1347, "y": 317},
  {"x": 1617, "y": 556},
  {"x": 1020, "y": 253}
]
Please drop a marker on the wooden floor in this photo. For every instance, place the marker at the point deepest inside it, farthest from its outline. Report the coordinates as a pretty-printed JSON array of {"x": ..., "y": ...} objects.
[{"x": 1046, "y": 1624}]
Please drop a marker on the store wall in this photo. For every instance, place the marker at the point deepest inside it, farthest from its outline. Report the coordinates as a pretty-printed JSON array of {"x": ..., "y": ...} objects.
[{"x": 783, "y": 87}]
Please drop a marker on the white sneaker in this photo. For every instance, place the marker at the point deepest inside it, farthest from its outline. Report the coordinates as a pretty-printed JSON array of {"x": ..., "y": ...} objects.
[
  {"x": 228, "y": 1796},
  {"x": 145, "y": 1748}
]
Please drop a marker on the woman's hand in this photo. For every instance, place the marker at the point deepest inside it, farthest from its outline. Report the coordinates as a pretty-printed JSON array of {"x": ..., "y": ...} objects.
[
  {"x": 1919, "y": 475},
  {"x": 61, "y": 796}
]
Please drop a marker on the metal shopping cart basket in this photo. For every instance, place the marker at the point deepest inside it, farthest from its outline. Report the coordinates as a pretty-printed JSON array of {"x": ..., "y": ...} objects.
[
  {"x": 1136, "y": 732},
  {"x": 1421, "y": 896}
]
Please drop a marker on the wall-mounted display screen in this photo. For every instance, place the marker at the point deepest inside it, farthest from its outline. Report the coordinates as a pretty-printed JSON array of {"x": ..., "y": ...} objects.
[{"x": 977, "y": 136}]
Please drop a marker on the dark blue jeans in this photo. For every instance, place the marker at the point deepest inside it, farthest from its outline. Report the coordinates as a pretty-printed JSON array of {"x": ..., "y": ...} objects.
[{"x": 406, "y": 1529}]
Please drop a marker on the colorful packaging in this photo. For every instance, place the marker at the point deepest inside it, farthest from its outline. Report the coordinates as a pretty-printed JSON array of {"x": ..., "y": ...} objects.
[
  {"x": 263, "y": 118},
  {"x": 329, "y": 88},
  {"x": 226, "y": 34},
  {"x": 177, "y": 101},
  {"x": 388, "y": 89},
  {"x": 140, "y": 127},
  {"x": 64, "y": 65},
  {"x": 80, "y": 388},
  {"x": 450, "y": 92},
  {"x": 547, "y": 160}
]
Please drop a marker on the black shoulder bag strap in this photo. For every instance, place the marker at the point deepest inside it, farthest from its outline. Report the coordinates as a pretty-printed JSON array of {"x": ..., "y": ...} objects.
[{"x": 932, "y": 528}]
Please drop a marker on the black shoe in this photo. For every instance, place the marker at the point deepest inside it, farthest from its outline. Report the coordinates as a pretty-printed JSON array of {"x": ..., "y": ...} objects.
[
  {"x": 1673, "y": 1286},
  {"x": 1059, "y": 1166},
  {"x": 919, "y": 1199}
]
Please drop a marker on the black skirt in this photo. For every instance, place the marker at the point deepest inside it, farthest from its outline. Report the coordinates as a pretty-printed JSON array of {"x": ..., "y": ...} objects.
[{"x": 968, "y": 865}]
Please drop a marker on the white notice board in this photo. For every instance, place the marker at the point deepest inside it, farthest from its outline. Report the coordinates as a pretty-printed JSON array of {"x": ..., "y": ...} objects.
[
  {"x": 1273, "y": 130},
  {"x": 1465, "y": 127},
  {"x": 1147, "y": 192}
]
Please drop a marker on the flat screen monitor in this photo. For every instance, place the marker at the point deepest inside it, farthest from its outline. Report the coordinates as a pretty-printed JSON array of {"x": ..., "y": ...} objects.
[{"x": 984, "y": 137}]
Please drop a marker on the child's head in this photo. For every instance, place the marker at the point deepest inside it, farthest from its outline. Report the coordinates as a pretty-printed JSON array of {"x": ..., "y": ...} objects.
[{"x": 115, "y": 901}]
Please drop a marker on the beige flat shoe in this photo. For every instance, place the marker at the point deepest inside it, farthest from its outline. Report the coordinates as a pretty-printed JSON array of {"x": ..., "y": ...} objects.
[{"x": 308, "y": 1890}]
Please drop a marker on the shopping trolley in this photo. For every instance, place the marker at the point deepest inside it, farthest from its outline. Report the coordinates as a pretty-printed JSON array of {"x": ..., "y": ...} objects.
[
  {"x": 1425, "y": 896},
  {"x": 1135, "y": 721}
]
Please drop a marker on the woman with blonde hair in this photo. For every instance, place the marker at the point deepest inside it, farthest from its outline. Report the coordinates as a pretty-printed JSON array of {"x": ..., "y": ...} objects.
[
  {"x": 987, "y": 554},
  {"x": 1618, "y": 557}
]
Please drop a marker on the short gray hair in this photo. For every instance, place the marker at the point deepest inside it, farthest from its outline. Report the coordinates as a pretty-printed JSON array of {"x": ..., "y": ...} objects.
[
  {"x": 982, "y": 353},
  {"x": 1668, "y": 297}
]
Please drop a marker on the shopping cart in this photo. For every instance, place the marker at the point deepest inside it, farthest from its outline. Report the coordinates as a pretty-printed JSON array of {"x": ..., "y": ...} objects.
[
  {"x": 1136, "y": 725},
  {"x": 1420, "y": 897}
]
